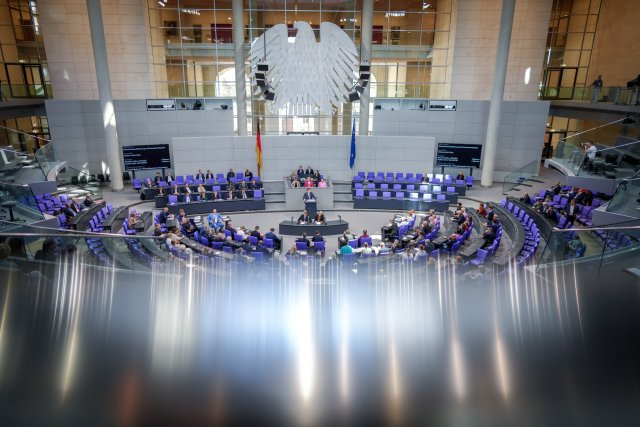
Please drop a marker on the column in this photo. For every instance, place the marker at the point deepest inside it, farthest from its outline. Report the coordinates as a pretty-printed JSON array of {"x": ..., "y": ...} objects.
[
  {"x": 366, "y": 30},
  {"x": 238, "y": 48},
  {"x": 497, "y": 93},
  {"x": 112, "y": 145}
]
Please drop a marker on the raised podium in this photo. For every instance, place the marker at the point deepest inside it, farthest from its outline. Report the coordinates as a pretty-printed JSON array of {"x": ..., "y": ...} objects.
[{"x": 311, "y": 207}]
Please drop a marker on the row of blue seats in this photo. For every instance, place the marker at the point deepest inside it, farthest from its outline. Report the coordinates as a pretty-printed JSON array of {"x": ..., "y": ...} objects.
[
  {"x": 483, "y": 254},
  {"x": 191, "y": 180},
  {"x": 400, "y": 195},
  {"x": 532, "y": 234},
  {"x": 138, "y": 252},
  {"x": 390, "y": 177}
]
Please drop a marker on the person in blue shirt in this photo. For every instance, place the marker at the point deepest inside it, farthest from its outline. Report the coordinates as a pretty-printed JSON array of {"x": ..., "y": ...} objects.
[{"x": 215, "y": 220}]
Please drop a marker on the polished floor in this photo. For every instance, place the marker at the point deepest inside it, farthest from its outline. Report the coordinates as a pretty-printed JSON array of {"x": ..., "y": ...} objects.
[{"x": 305, "y": 344}]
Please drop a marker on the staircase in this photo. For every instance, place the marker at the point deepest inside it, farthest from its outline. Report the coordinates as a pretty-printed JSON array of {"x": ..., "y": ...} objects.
[
  {"x": 274, "y": 195},
  {"x": 342, "y": 195}
]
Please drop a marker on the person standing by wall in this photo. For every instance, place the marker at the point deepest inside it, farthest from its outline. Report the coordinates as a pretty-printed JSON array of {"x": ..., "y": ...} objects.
[{"x": 597, "y": 87}]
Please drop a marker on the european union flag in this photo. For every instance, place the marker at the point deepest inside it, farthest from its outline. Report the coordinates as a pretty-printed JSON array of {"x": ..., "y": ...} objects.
[{"x": 352, "y": 159}]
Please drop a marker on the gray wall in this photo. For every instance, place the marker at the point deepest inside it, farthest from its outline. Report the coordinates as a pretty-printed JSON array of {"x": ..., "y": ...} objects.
[
  {"x": 77, "y": 131},
  {"x": 521, "y": 137},
  {"x": 283, "y": 154}
]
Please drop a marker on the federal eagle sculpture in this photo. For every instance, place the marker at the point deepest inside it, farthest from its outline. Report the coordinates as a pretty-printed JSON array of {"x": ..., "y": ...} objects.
[{"x": 305, "y": 74}]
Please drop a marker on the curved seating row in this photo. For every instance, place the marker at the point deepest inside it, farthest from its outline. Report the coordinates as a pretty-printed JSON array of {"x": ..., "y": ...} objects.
[
  {"x": 191, "y": 180},
  {"x": 515, "y": 231},
  {"x": 532, "y": 234}
]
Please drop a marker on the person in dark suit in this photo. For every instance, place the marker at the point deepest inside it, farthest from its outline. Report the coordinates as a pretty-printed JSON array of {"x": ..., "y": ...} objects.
[
  {"x": 571, "y": 211},
  {"x": 304, "y": 218},
  {"x": 76, "y": 206},
  {"x": 209, "y": 175},
  {"x": 526, "y": 199},
  {"x": 88, "y": 201},
  {"x": 229, "y": 227},
  {"x": 243, "y": 194},
  {"x": 169, "y": 178},
  {"x": 308, "y": 171},
  {"x": 253, "y": 185},
  {"x": 157, "y": 178},
  {"x": 429, "y": 246},
  {"x": 230, "y": 174},
  {"x": 215, "y": 196},
  {"x": 489, "y": 236},
  {"x": 163, "y": 215},
  {"x": 317, "y": 237},
  {"x": 248, "y": 175},
  {"x": 256, "y": 233},
  {"x": 230, "y": 195},
  {"x": 303, "y": 239},
  {"x": 271, "y": 234},
  {"x": 320, "y": 217},
  {"x": 200, "y": 175},
  {"x": 495, "y": 224},
  {"x": 308, "y": 195},
  {"x": 460, "y": 175},
  {"x": 300, "y": 171},
  {"x": 69, "y": 212}
]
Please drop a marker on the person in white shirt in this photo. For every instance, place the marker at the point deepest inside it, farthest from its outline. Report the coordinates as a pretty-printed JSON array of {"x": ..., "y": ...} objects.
[{"x": 591, "y": 150}]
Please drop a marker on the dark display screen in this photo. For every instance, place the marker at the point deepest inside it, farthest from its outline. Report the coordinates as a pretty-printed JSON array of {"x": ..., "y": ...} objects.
[
  {"x": 146, "y": 157},
  {"x": 459, "y": 155}
]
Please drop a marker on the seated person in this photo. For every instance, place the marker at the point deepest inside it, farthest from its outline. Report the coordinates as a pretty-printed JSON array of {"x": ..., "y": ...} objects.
[
  {"x": 308, "y": 183},
  {"x": 229, "y": 195},
  {"x": 526, "y": 199},
  {"x": 316, "y": 176},
  {"x": 157, "y": 178},
  {"x": 489, "y": 236},
  {"x": 425, "y": 179},
  {"x": 382, "y": 249},
  {"x": 216, "y": 196},
  {"x": 346, "y": 249},
  {"x": 538, "y": 206},
  {"x": 366, "y": 250},
  {"x": 231, "y": 186},
  {"x": 132, "y": 220},
  {"x": 482, "y": 211},
  {"x": 248, "y": 175},
  {"x": 230, "y": 174},
  {"x": 317, "y": 237},
  {"x": 304, "y": 218},
  {"x": 495, "y": 224},
  {"x": 256, "y": 233},
  {"x": 420, "y": 250},
  {"x": 88, "y": 201},
  {"x": 200, "y": 175},
  {"x": 295, "y": 183},
  {"x": 243, "y": 194},
  {"x": 157, "y": 230},
  {"x": 169, "y": 178},
  {"x": 209, "y": 175},
  {"x": 187, "y": 193},
  {"x": 163, "y": 215},
  {"x": 215, "y": 220},
  {"x": 300, "y": 172},
  {"x": 319, "y": 218},
  {"x": 460, "y": 175},
  {"x": 202, "y": 192},
  {"x": 77, "y": 206},
  {"x": 550, "y": 212},
  {"x": 363, "y": 235},
  {"x": 554, "y": 190},
  {"x": 188, "y": 227},
  {"x": 68, "y": 211},
  {"x": 148, "y": 183},
  {"x": 346, "y": 236},
  {"x": 303, "y": 239},
  {"x": 175, "y": 190},
  {"x": 181, "y": 214},
  {"x": 309, "y": 171},
  {"x": 322, "y": 184},
  {"x": 229, "y": 227},
  {"x": 428, "y": 246},
  {"x": 271, "y": 234},
  {"x": 253, "y": 185},
  {"x": 243, "y": 185}
]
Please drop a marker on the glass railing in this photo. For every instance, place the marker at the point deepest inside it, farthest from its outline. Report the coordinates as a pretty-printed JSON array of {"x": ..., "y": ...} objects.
[
  {"x": 21, "y": 91},
  {"x": 78, "y": 183},
  {"x": 47, "y": 158},
  {"x": 615, "y": 158},
  {"x": 612, "y": 94},
  {"x": 626, "y": 199},
  {"x": 520, "y": 175},
  {"x": 18, "y": 204},
  {"x": 600, "y": 250}
]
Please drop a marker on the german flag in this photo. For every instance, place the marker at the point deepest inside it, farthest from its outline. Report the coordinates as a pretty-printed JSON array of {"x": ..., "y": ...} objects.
[{"x": 259, "y": 149}]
